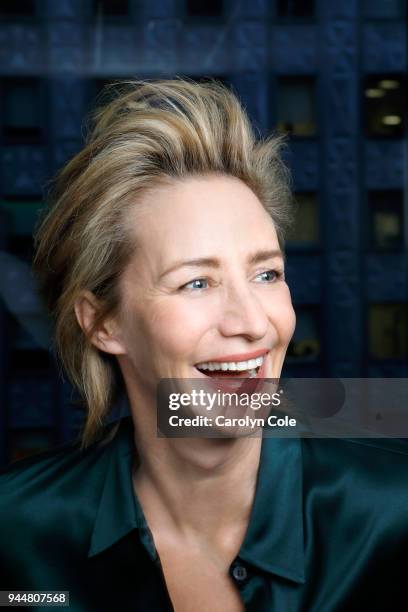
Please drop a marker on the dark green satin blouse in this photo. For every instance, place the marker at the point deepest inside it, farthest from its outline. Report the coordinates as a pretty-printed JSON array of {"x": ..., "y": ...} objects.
[{"x": 328, "y": 530}]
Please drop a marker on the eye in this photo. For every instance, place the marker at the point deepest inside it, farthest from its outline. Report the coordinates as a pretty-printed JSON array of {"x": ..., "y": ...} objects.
[
  {"x": 197, "y": 283},
  {"x": 270, "y": 276}
]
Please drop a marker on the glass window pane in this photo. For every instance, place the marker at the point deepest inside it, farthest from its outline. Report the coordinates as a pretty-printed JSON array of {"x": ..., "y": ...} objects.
[
  {"x": 204, "y": 8},
  {"x": 295, "y": 8},
  {"x": 17, "y": 8},
  {"x": 111, "y": 8},
  {"x": 386, "y": 219},
  {"x": 25, "y": 352},
  {"x": 384, "y": 9},
  {"x": 305, "y": 344},
  {"x": 205, "y": 78},
  {"x": 21, "y": 110},
  {"x": 101, "y": 91},
  {"x": 296, "y": 106},
  {"x": 385, "y": 106},
  {"x": 20, "y": 106},
  {"x": 388, "y": 331},
  {"x": 23, "y": 213},
  {"x": 104, "y": 89},
  {"x": 306, "y": 227},
  {"x": 25, "y": 355}
]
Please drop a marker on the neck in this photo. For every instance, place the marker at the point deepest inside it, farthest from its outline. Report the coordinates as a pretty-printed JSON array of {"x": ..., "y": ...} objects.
[{"x": 199, "y": 489}]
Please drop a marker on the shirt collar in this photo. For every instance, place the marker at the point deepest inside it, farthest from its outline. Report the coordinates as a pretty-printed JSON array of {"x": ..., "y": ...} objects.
[
  {"x": 274, "y": 538},
  {"x": 117, "y": 514}
]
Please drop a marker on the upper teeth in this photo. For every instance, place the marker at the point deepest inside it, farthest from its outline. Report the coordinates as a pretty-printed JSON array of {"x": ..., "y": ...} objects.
[{"x": 231, "y": 365}]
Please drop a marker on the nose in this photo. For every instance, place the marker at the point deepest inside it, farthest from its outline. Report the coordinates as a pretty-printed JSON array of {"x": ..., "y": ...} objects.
[{"x": 242, "y": 314}]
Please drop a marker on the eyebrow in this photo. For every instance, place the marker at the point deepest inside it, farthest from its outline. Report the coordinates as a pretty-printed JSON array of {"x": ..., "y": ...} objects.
[{"x": 213, "y": 262}]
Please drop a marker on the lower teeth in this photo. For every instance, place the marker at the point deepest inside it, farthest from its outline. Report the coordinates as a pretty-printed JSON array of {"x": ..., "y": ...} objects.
[{"x": 220, "y": 373}]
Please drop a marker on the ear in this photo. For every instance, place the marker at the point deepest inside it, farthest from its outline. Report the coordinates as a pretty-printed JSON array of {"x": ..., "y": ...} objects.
[{"x": 105, "y": 337}]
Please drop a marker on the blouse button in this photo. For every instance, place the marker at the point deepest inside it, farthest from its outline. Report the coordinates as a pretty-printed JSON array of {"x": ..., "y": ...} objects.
[{"x": 240, "y": 573}]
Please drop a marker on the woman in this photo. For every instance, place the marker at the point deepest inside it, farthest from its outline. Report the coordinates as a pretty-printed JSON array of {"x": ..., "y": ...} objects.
[{"x": 162, "y": 257}]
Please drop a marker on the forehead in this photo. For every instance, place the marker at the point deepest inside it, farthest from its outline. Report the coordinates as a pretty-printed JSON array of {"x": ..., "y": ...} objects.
[{"x": 201, "y": 216}]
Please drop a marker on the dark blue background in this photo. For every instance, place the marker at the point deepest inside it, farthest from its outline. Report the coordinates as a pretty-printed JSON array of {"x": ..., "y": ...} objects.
[{"x": 289, "y": 61}]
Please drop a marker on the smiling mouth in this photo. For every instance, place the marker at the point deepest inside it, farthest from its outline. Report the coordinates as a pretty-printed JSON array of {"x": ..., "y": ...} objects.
[{"x": 232, "y": 369}]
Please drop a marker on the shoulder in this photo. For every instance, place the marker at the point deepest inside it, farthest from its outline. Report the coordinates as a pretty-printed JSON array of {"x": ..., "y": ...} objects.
[
  {"x": 368, "y": 473},
  {"x": 356, "y": 490},
  {"x": 55, "y": 488},
  {"x": 53, "y": 468},
  {"x": 357, "y": 450}
]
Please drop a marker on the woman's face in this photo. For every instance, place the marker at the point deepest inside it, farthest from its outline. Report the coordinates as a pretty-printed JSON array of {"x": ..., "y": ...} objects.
[{"x": 205, "y": 284}]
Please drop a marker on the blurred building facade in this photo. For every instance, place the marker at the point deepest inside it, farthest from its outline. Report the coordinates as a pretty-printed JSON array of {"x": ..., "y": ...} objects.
[{"x": 331, "y": 74}]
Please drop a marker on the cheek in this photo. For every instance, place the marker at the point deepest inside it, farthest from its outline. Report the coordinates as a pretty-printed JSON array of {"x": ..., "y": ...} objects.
[
  {"x": 283, "y": 315},
  {"x": 176, "y": 326},
  {"x": 290, "y": 324}
]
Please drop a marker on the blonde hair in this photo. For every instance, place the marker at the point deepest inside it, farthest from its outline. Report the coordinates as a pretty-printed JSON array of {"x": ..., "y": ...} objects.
[{"x": 149, "y": 133}]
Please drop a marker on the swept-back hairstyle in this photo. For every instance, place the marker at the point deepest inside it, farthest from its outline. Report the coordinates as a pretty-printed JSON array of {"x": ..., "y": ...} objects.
[{"x": 149, "y": 133}]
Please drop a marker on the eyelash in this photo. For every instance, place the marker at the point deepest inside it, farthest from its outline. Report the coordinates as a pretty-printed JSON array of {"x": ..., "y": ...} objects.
[{"x": 278, "y": 276}]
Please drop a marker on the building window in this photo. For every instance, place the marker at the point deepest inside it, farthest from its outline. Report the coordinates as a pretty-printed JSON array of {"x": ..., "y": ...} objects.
[
  {"x": 385, "y": 104},
  {"x": 21, "y": 112},
  {"x": 21, "y": 246},
  {"x": 102, "y": 87},
  {"x": 378, "y": 9},
  {"x": 24, "y": 213},
  {"x": 305, "y": 344},
  {"x": 296, "y": 106},
  {"x": 204, "y": 8},
  {"x": 388, "y": 331},
  {"x": 17, "y": 8},
  {"x": 27, "y": 353},
  {"x": 199, "y": 78},
  {"x": 305, "y": 231},
  {"x": 295, "y": 8},
  {"x": 111, "y": 8},
  {"x": 386, "y": 219},
  {"x": 102, "y": 90}
]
